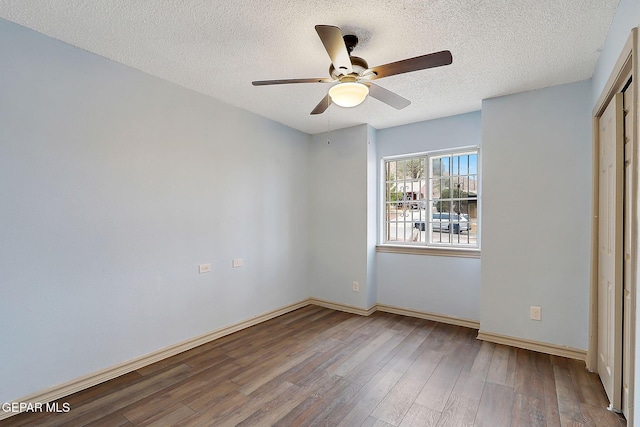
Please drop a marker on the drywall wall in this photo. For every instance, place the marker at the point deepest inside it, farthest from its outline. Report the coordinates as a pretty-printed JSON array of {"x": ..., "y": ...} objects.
[
  {"x": 536, "y": 212},
  {"x": 115, "y": 185},
  {"x": 626, "y": 18},
  {"x": 372, "y": 216},
  {"x": 338, "y": 216},
  {"x": 442, "y": 285}
]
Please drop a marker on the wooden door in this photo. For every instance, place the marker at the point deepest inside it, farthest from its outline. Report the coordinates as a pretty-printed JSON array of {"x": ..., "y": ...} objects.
[{"x": 610, "y": 227}]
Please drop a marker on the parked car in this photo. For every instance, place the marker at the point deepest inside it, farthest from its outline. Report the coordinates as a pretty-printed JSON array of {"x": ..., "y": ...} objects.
[{"x": 445, "y": 221}]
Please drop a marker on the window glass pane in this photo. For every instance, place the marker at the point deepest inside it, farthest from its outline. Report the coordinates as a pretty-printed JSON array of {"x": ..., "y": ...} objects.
[
  {"x": 445, "y": 185},
  {"x": 435, "y": 189},
  {"x": 461, "y": 163},
  {"x": 443, "y": 206},
  {"x": 473, "y": 184},
  {"x": 436, "y": 170},
  {"x": 457, "y": 183},
  {"x": 441, "y": 166},
  {"x": 445, "y": 166},
  {"x": 407, "y": 169},
  {"x": 473, "y": 164},
  {"x": 456, "y": 208}
]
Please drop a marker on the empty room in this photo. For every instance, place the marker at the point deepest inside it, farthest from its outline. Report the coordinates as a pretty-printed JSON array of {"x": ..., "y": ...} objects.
[{"x": 410, "y": 213}]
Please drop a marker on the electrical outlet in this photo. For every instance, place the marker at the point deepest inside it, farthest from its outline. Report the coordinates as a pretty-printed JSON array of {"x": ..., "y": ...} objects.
[
  {"x": 236, "y": 263},
  {"x": 204, "y": 268},
  {"x": 535, "y": 313},
  {"x": 356, "y": 287}
]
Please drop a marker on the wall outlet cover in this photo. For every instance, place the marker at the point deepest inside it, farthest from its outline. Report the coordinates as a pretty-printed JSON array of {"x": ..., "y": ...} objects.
[{"x": 535, "y": 313}]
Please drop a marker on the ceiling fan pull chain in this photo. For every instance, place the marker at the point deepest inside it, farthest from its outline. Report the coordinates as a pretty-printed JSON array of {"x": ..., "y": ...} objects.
[
  {"x": 328, "y": 123},
  {"x": 368, "y": 120}
]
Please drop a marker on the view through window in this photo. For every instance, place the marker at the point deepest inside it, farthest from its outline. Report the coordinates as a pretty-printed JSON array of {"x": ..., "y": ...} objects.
[{"x": 432, "y": 199}]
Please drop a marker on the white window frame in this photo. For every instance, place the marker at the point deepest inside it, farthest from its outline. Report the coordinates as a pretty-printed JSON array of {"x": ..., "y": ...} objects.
[{"x": 427, "y": 248}]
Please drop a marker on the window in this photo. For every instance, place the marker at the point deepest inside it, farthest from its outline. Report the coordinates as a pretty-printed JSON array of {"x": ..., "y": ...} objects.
[{"x": 431, "y": 199}]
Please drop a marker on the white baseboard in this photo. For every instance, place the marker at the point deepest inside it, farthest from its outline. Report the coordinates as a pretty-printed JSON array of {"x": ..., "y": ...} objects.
[
  {"x": 84, "y": 382},
  {"x": 452, "y": 320},
  {"x": 342, "y": 307},
  {"x": 542, "y": 347}
]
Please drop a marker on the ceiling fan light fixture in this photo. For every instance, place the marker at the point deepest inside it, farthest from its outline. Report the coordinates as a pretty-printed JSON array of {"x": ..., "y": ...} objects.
[{"x": 348, "y": 94}]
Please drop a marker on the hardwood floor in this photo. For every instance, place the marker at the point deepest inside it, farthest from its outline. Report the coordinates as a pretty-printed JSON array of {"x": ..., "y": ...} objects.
[{"x": 319, "y": 367}]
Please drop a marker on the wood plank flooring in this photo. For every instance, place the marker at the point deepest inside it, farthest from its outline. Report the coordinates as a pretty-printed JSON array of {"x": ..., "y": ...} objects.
[{"x": 320, "y": 367}]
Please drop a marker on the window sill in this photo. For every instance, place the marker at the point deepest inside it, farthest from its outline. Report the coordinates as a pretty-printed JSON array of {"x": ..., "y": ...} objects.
[{"x": 431, "y": 251}]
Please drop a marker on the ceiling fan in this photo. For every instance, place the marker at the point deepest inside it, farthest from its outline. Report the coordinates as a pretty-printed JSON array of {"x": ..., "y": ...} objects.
[{"x": 353, "y": 75}]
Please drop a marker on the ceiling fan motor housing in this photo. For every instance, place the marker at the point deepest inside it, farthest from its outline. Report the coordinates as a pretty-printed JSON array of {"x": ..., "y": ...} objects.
[{"x": 358, "y": 64}]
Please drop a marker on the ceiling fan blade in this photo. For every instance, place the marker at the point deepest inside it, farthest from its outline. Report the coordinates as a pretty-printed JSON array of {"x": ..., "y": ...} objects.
[
  {"x": 423, "y": 62},
  {"x": 322, "y": 105},
  {"x": 388, "y": 97},
  {"x": 288, "y": 81},
  {"x": 334, "y": 44}
]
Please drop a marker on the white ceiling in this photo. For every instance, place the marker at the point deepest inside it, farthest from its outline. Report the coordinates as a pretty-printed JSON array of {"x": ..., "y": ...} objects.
[{"x": 218, "y": 47}]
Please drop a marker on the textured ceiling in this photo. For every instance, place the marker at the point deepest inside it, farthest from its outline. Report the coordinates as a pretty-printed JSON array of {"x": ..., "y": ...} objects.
[{"x": 218, "y": 47}]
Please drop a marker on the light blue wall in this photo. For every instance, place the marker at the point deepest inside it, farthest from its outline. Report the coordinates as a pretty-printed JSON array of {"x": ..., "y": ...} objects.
[
  {"x": 448, "y": 132},
  {"x": 337, "y": 216},
  {"x": 115, "y": 185},
  {"x": 372, "y": 216},
  {"x": 536, "y": 214},
  {"x": 627, "y": 17},
  {"x": 433, "y": 284}
]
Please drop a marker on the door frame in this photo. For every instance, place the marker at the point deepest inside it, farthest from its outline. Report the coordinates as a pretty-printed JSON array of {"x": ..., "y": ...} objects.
[{"x": 626, "y": 67}]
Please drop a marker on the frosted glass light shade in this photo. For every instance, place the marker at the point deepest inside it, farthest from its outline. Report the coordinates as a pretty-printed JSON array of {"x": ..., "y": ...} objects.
[{"x": 348, "y": 94}]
